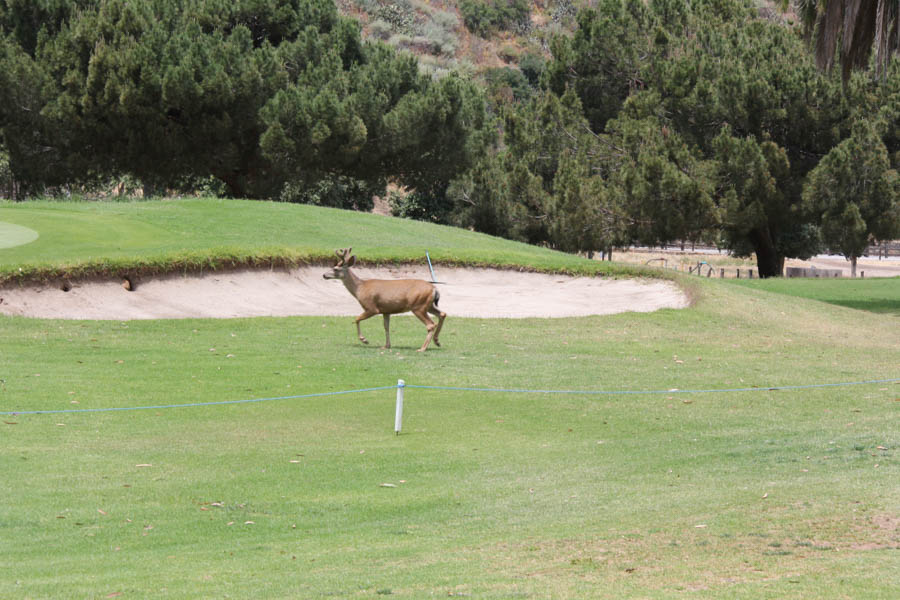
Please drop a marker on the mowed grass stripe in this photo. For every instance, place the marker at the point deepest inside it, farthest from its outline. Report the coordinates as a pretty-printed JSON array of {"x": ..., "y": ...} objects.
[{"x": 15, "y": 235}]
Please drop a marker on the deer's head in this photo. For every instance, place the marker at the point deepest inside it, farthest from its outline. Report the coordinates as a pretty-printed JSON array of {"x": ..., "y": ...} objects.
[{"x": 345, "y": 261}]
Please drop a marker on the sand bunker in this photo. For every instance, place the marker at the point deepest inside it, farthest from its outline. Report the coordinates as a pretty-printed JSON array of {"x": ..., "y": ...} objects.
[{"x": 483, "y": 293}]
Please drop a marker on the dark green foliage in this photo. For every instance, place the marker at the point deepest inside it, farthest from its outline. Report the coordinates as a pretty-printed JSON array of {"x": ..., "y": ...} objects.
[
  {"x": 687, "y": 71},
  {"x": 532, "y": 66},
  {"x": 381, "y": 118},
  {"x": 511, "y": 84},
  {"x": 254, "y": 92},
  {"x": 335, "y": 191},
  {"x": 702, "y": 123},
  {"x": 25, "y": 20},
  {"x": 756, "y": 209},
  {"x": 545, "y": 187},
  {"x": 585, "y": 214},
  {"x": 484, "y": 17},
  {"x": 856, "y": 193},
  {"x": 421, "y": 207},
  {"x": 781, "y": 114},
  {"x": 605, "y": 59},
  {"x": 501, "y": 197},
  {"x": 665, "y": 183}
]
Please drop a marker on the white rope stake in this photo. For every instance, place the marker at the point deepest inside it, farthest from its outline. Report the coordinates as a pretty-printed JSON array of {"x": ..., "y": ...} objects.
[{"x": 398, "y": 415}]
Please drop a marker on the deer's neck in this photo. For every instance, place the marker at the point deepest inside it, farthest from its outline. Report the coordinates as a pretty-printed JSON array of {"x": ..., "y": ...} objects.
[{"x": 351, "y": 282}]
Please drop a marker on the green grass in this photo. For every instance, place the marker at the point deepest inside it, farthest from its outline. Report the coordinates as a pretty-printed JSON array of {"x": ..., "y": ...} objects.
[
  {"x": 82, "y": 239},
  {"x": 761, "y": 494},
  {"x": 15, "y": 235},
  {"x": 879, "y": 295}
]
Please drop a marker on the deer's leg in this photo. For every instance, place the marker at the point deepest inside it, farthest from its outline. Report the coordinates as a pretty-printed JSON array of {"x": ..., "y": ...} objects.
[
  {"x": 363, "y": 317},
  {"x": 429, "y": 325},
  {"x": 441, "y": 316},
  {"x": 387, "y": 331}
]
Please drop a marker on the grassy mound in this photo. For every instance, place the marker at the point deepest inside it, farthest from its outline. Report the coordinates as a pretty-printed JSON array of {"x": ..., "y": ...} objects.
[{"x": 110, "y": 239}]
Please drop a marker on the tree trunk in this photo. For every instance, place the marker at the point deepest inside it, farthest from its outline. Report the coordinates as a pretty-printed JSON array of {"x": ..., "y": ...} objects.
[
  {"x": 235, "y": 184},
  {"x": 148, "y": 190},
  {"x": 768, "y": 261},
  {"x": 853, "y": 267}
]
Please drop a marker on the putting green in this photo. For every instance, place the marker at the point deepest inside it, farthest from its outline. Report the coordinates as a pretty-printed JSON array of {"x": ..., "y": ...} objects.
[{"x": 15, "y": 235}]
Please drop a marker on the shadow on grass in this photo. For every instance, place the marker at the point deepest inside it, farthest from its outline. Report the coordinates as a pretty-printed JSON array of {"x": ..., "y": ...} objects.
[
  {"x": 876, "y": 295},
  {"x": 888, "y": 306}
]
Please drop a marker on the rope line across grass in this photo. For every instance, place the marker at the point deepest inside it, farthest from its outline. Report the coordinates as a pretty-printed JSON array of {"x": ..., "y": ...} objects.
[
  {"x": 458, "y": 389},
  {"x": 193, "y": 404},
  {"x": 650, "y": 392}
]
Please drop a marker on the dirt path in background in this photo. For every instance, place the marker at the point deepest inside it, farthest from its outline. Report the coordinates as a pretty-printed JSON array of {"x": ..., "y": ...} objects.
[
  {"x": 482, "y": 293},
  {"x": 872, "y": 267},
  {"x": 680, "y": 259}
]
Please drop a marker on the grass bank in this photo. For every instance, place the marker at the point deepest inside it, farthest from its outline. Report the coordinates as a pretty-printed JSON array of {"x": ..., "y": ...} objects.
[{"x": 105, "y": 239}]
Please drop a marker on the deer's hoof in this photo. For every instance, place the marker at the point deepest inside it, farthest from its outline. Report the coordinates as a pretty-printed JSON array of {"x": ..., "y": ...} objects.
[
  {"x": 364, "y": 340},
  {"x": 436, "y": 343}
]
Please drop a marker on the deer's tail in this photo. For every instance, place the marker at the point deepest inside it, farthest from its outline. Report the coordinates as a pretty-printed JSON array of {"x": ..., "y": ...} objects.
[{"x": 437, "y": 296}]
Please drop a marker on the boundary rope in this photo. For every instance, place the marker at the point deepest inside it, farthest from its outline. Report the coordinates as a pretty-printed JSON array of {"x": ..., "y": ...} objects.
[
  {"x": 457, "y": 389},
  {"x": 773, "y": 388},
  {"x": 193, "y": 404}
]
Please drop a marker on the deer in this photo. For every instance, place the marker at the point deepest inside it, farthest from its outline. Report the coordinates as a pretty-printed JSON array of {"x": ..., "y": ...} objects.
[{"x": 388, "y": 297}]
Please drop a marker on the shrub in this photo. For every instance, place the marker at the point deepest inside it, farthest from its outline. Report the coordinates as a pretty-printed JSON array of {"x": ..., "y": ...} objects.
[
  {"x": 485, "y": 17},
  {"x": 508, "y": 53},
  {"x": 505, "y": 78},
  {"x": 336, "y": 191},
  {"x": 380, "y": 29},
  {"x": 441, "y": 31},
  {"x": 417, "y": 44},
  {"x": 532, "y": 65},
  {"x": 420, "y": 206},
  {"x": 400, "y": 14}
]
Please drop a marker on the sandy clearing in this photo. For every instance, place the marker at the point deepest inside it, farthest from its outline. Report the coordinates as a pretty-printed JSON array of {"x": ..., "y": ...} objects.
[{"x": 484, "y": 293}]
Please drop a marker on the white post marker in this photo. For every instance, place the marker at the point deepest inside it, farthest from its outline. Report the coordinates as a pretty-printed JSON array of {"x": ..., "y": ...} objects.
[{"x": 398, "y": 415}]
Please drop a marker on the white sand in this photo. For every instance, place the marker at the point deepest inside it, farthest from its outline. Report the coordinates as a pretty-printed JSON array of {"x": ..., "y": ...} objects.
[{"x": 483, "y": 293}]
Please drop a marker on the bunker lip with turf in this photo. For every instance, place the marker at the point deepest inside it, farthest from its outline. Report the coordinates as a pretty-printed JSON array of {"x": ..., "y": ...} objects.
[{"x": 467, "y": 292}]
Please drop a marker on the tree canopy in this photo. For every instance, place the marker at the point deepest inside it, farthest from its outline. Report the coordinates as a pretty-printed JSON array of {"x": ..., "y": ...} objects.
[
  {"x": 854, "y": 190},
  {"x": 701, "y": 121},
  {"x": 255, "y": 93}
]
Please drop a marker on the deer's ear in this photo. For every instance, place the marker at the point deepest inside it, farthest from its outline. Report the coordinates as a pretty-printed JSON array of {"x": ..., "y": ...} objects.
[{"x": 351, "y": 261}]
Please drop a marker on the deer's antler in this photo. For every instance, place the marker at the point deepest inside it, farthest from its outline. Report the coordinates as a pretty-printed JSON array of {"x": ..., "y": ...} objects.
[{"x": 343, "y": 255}]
